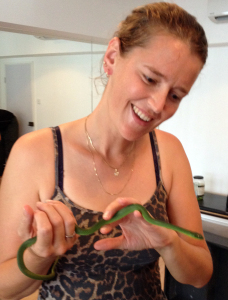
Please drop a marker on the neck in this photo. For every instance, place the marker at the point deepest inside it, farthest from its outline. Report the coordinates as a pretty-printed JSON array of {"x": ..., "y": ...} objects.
[{"x": 108, "y": 143}]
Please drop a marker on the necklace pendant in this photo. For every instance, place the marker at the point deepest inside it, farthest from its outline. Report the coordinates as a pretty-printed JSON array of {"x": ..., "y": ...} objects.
[{"x": 116, "y": 173}]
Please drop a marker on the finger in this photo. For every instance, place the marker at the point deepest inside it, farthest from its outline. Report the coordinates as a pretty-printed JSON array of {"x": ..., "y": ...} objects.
[
  {"x": 138, "y": 217},
  {"x": 117, "y": 205},
  {"x": 137, "y": 214},
  {"x": 43, "y": 247},
  {"x": 63, "y": 223},
  {"x": 107, "y": 228},
  {"x": 56, "y": 223},
  {"x": 67, "y": 217},
  {"x": 110, "y": 243},
  {"x": 25, "y": 229}
]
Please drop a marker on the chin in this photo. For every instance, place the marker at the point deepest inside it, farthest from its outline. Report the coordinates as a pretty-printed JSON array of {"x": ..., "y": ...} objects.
[{"x": 132, "y": 135}]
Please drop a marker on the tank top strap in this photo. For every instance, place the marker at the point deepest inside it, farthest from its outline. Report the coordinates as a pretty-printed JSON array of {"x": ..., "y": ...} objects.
[
  {"x": 58, "y": 157},
  {"x": 156, "y": 156}
]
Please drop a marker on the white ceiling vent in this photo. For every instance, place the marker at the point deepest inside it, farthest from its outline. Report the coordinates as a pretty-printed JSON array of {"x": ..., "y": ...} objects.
[{"x": 218, "y": 11}]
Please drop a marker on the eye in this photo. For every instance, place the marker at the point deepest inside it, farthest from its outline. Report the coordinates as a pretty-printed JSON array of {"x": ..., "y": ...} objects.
[
  {"x": 175, "y": 97},
  {"x": 149, "y": 79}
]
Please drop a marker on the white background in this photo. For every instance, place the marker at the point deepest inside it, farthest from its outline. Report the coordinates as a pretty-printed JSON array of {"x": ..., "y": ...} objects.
[{"x": 63, "y": 84}]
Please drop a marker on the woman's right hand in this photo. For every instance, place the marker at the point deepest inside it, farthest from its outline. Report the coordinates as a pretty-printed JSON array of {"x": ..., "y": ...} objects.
[{"x": 51, "y": 222}]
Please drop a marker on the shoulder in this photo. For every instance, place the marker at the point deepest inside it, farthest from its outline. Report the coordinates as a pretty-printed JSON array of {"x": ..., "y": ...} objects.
[
  {"x": 32, "y": 154},
  {"x": 33, "y": 144},
  {"x": 31, "y": 166},
  {"x": 174, "y": 161},
  {"x": 169, "y": 143},
  {"x": 165, "y": 136}
]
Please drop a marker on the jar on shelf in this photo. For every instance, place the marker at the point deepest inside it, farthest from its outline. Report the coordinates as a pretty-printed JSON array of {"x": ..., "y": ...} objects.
[{"x": 199, "y": 186}]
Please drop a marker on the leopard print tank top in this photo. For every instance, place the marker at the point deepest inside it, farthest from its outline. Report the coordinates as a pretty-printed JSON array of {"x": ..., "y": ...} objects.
[{"x": 86, "y": 274}]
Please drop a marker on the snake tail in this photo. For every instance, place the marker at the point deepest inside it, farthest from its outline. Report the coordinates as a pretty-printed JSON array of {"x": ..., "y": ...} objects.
[{"x": 24, "y": 269}]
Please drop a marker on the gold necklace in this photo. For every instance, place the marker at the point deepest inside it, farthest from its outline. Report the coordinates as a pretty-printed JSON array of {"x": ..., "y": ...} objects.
[
  {"x": 98, "y": 178},
  {"x": 95, "y": 168},
  {"x": 116, "y": 172}
]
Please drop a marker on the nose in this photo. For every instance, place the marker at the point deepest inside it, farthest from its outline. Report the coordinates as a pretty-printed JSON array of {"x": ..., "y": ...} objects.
[{"x": 157, "y": 100}]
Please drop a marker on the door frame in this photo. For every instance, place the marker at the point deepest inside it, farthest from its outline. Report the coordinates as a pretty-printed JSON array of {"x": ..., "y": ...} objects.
[{"x": 3, "y": 86}]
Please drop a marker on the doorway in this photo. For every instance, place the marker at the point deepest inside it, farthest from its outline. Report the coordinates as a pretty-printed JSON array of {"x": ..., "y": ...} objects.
[{"x": 19, "y": 94}]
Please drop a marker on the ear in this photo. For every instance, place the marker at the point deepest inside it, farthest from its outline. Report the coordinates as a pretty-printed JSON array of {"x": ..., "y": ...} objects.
[{"x": 111, "y": 55}]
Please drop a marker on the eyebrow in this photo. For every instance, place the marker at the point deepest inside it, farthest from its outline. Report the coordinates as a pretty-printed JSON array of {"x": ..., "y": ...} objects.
[
  {"x": 155, "y": 72},
  {"x": 183, "y": 90},
  {"x": 163, "y": 76}
]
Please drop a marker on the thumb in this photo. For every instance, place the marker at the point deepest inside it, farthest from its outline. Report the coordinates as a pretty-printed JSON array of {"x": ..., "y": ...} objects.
[
  {"x": 110, "y": 243},
  {"x": 25, "y": 229}
]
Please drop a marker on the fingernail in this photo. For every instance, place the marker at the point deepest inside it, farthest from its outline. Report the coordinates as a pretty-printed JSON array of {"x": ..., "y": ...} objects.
[
  {"x": 106, "y": 215},
  {"x": 103, "y": 229},
  {"x": 122, "y": 201}
]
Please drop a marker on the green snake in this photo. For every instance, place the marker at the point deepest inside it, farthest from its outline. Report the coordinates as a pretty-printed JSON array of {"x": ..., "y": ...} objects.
[{"x": 81, "y": 231}]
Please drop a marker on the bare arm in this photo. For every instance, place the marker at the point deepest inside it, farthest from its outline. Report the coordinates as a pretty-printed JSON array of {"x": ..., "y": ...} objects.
[
  {"x": 15, "y": 191},
  {"x": 187, "y": 259},
  {"x": 23, "y": 184}
]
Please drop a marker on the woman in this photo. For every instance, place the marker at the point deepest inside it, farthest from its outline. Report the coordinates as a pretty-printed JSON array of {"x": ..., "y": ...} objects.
[{"x": 100, "y": 164}]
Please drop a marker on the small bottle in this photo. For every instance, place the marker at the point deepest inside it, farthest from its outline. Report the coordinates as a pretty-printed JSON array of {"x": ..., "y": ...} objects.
[{"x": 199, "y": 186}]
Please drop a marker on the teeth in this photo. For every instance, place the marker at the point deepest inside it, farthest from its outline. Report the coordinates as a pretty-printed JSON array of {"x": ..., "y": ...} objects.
[{"x": 140, "y": 114}]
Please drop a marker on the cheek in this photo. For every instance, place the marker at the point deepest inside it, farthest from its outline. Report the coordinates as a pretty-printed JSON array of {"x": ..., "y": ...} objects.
[
  {"x": 171, "y": 110},
  {"x": 129, "y": 93},
  {"x": 131, "y": 85},
  {"x": 137, "y": 91}
]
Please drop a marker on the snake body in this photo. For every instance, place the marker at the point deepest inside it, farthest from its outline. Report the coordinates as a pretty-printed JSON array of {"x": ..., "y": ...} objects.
[{"x": 82, "y": 231}]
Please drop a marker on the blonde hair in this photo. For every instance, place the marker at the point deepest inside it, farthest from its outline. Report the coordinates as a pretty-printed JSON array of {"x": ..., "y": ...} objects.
[{"x": 146, "y": 21}]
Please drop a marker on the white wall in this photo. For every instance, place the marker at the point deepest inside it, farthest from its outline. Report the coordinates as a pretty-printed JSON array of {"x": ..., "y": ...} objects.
[
  {"x": 201, "y": 123},
  {"x": 63, "y": 83},
  {"x": 15, "y": 44}
]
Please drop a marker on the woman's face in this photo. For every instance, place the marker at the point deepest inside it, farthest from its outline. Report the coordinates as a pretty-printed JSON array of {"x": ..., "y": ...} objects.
[{"x": 147, "y": 85}]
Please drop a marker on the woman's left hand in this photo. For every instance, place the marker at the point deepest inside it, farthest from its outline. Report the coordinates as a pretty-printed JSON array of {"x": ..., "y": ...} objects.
[{"x": 137, "y": 234}]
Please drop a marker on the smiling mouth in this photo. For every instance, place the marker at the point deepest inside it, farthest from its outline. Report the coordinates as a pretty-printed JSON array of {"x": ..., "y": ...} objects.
[{"x": 140, "y": 114}]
